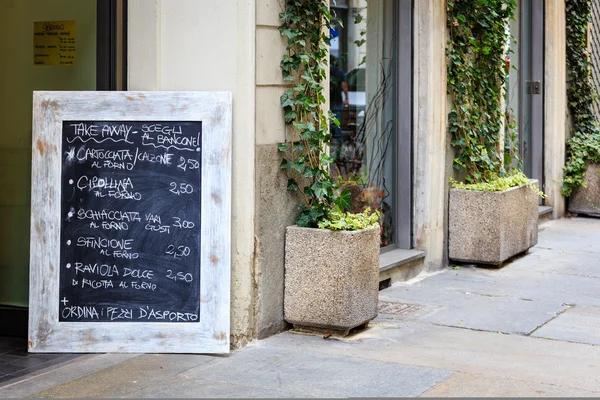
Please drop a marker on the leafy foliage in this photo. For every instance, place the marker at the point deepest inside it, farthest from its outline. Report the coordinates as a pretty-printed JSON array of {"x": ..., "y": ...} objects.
[
  {"x": 305, "y": 24},
  {"x": 344, "y": 221},
  {"x": 500, "y": 184},
  {"x": 584, "y": 145},
  {"x": 476, "y": 74}
]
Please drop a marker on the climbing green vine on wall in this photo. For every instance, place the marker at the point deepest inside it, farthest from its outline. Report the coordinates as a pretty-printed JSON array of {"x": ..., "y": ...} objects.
[
  {"x": 583, "y": 147},
  {"x": 476, "y": 75},
  {"x": 305, "y": 24}
]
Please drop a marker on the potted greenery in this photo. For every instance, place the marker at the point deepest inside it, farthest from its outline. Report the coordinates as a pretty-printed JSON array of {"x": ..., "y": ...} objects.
[
  {"x": 493, "y": 214},
  {"x": 581, "y": 181},
  {"x": 331, "y": 255}
]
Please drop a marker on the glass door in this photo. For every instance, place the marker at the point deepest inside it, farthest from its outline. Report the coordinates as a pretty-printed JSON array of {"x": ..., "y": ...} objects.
[
  {"x": 525, "y": 86},
  {"x": 46, "y": 45},
  {"x": 532, "y": 88}
]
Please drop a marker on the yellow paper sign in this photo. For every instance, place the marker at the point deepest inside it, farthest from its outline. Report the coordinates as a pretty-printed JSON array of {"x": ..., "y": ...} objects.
[{"x": 54, "y": 43}]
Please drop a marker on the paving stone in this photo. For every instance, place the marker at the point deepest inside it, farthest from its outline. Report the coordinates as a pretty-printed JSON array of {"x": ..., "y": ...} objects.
[
  {"x": 512, "y": 316},
  {"x": 473, "y": 307},
  {"x": 480, "y": 385},
  {"x": 306, "y": 373},
  {"x": 25, "y": 386},
  {"x": 408, "y": 350},
  {"x": 128, "y": 377},
  {"x": 579, "y": 324},
  {"x": 7, "y": 369},
  {"x": 217, "y": 389},
  {"x": 529, "y": 359}
]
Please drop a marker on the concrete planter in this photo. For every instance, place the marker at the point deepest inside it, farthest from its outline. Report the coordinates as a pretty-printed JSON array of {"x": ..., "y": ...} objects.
[
  {"x": 587, "y": 200},
  {"x": 331, "y": 278},
  {"x": 491, "y": 227}
]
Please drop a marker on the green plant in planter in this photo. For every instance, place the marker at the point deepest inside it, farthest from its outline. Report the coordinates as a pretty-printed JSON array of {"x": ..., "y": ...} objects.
[
  {"x": 484, "y": 228},
  {"x": 305, "y": 24},
  {"x": 476, "y": 76},
  {"x": 340, "y": 221},
  {"x": 583, "y": 147},
  {"x": 513, "y": 179}
]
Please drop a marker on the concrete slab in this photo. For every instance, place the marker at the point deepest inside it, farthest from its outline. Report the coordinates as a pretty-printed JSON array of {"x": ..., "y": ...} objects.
[
  {"x": 522, "y": 295},
  {"x": 475, "y": 305},
  {"x": 46, "y": 379},
  {"x": 535, "y": 360},
  {"x": 258, "y": 371},
  {"x": 408, "y": 350},
  {"x": 513, "y": 316},
  {"x": 215, "y": 389},
  {"x": 581, "y": 233},
  {"x": 128, "y": 377},
  {"x": 310, "y": 374},
  {"x": 580, "y": 324},
  {"x": 480, "y": 385}
]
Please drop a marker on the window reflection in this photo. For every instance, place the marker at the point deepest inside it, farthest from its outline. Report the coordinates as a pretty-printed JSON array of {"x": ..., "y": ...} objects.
[{"x": 362, "y": 95}]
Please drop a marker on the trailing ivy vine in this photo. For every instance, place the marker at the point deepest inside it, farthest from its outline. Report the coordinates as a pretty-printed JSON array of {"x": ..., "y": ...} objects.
[
  {"x": 305, "y": 24},
  {"x": 583, "y": 147},
  {"x": 476, "y": 76}
]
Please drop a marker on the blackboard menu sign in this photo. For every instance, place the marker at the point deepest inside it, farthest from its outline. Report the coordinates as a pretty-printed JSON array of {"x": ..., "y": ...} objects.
[
  {"x": 130, "y": 236},
  {"x": 130, "y": 230}
]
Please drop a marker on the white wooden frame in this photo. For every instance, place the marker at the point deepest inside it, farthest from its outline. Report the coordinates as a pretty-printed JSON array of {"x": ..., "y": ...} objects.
[{"x": 211, "y": 333}]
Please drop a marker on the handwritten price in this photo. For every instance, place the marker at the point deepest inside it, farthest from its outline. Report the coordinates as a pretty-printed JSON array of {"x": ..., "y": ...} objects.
[
  {"x": 178, "y": 252},
  {"x": 182, "y": 188}
]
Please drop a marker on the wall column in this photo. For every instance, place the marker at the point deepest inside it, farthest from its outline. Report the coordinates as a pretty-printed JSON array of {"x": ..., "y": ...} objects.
[
  {"x": 208, "y": 46},
  {"x": 555, "y": 104},
  {"x": 430, "y": 146}
]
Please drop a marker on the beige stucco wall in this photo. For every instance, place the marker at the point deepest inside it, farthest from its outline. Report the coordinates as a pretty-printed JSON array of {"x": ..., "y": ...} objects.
[
  {"x": 430, "y": 136},
  {"x": 555, "y": 103},
  {"x": 275, "y": 206},
  {"x": 270, "y": 47},
  {"x": 183, "y": 45},
  {"x": 199, "y": 45}
]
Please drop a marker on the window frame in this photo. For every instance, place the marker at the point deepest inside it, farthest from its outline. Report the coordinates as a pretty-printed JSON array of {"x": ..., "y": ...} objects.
[
  {"x": 404, "y": 125},
  {"x": 111, "y": 45}
]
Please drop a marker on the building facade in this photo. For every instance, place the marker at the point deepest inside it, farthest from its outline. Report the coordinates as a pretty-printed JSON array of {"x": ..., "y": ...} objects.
[{"x": 397, "y": 107}]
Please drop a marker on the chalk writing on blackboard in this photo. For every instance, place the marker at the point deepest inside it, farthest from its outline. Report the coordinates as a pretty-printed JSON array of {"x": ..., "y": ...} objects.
[{"x": 130, "y": 221}]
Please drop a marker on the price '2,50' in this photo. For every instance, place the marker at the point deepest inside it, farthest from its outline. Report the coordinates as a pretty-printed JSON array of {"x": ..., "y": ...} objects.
[
  {"x": 178, "y": 252},
  {"x": 182, "y": 188},
  {"x": 180, "y": 276}
]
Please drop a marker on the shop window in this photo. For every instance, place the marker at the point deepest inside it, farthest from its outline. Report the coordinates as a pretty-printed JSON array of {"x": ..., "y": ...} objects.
[{"x": 364, "y": 95}]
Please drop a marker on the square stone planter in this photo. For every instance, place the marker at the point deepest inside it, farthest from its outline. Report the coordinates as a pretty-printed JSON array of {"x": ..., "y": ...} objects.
[
  {"x": 587, "y": 200},
  {"x": 491, "y": 227},
  {"x": 331, "y": 277}
]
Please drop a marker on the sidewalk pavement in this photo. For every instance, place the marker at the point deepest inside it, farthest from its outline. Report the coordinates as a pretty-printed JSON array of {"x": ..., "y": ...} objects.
[{"x": 531, "y": 328}]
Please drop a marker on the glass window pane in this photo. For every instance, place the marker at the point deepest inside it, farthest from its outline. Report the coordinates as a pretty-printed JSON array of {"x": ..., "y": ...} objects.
[
  {"x": 363, "y": 96},
  {"x": 19, "y": 77}
]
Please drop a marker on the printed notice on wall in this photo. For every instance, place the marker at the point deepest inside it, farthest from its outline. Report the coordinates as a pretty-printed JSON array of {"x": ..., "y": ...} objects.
[{"x": 54, "y": 43}]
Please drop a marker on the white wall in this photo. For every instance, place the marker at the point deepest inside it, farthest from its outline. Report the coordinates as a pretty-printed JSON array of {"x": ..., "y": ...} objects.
[{"x": 208, "y": 45}]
